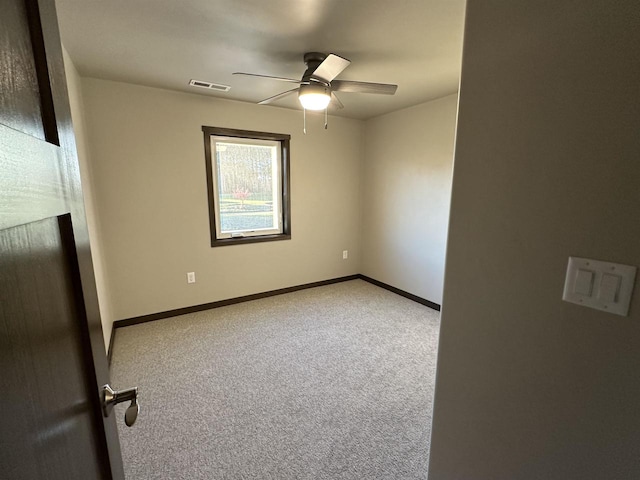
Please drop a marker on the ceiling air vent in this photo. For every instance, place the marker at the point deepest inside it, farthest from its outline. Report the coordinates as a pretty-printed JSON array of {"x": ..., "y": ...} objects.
[{"x": 211, "y": 86}]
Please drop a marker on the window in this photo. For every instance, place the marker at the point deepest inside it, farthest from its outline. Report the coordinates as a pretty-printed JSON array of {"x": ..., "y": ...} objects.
[{"x": 248, "y": 186}]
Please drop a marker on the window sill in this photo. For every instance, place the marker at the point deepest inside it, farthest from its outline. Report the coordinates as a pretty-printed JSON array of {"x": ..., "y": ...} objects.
[{"x": 222, "y": 242}]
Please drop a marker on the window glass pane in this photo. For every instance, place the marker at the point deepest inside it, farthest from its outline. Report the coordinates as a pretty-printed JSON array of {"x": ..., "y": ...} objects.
[{"x": 248, "y": 187}]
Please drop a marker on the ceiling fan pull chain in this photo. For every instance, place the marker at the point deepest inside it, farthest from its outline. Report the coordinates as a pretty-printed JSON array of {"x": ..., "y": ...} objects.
[
  {"x": 304, "y": 120},
  {"x": 326, "y": 118}
]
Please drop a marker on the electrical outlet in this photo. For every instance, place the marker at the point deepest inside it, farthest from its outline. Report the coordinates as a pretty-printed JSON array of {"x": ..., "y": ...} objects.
[
  {"x": 191, "y": 277},
  {"x": 345, "y": 254}
]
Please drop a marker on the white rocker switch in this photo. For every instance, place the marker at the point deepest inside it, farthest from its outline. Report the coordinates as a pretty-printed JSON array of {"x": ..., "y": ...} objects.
[
  {"x": 609, "y": 288},
  {"x": 584, "y": 282}
]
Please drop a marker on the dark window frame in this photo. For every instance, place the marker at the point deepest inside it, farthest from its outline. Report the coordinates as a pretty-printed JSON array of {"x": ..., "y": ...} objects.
[{"x": 284, "y": 140}]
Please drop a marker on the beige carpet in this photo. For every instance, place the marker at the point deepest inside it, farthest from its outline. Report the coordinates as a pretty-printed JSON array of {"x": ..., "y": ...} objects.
[{"x": 334, "y": 382}]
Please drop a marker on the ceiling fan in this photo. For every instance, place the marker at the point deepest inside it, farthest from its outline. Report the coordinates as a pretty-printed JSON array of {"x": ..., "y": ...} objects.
[{"x": 318, "y": 85}]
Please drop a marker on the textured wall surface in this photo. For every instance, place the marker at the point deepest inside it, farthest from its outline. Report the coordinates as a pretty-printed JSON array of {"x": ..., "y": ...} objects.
[
  {"x": 149, "y": 172},
  {"x": 407, "y": 172},
  {"x": 546, "y": 166},
  {"x": 76, "y": 102}
]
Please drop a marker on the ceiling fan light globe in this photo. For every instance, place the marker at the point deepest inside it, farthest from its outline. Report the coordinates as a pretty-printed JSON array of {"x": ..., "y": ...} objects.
[
  {"x": 314, "y": 97},
  {"x": 314, "y": 101}
]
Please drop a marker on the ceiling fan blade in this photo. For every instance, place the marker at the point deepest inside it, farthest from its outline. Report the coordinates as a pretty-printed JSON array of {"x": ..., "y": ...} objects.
[
  {"x": 335, "y": 101},
  {"x": 331, "y": 67},
  {"x": 277, "y": 97},
  {"x": 283, "y": 79},
  {"x": 363, "y": 87}
]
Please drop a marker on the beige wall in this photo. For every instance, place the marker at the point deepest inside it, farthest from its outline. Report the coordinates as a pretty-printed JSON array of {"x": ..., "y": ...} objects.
[
  {"x": 407, "y": 186},
  {"x": 74, "y": 86},
  {"x": 547, "y": 165},
  {"x": 149, "y": 174}
]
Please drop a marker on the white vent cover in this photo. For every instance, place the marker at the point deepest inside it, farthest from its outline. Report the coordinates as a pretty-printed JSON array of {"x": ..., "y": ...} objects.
[{"x": 211, "y": 86}]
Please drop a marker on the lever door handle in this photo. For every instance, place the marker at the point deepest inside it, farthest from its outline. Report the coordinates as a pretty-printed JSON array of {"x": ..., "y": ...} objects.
[{"x": 111, "y": 397}]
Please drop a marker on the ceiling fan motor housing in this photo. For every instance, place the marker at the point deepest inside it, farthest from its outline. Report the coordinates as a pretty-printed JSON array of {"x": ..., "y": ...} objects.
[
  {"x": 315, "y": 88},
  {"x": 312, "y": 60}
]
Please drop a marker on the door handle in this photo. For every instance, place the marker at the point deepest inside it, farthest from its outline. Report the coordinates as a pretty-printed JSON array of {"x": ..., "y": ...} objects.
[{"x": 111, "y": 397}]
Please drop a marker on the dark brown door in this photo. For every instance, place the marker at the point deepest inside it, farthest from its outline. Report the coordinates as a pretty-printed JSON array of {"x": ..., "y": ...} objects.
[{"x": 52, "y": 357}]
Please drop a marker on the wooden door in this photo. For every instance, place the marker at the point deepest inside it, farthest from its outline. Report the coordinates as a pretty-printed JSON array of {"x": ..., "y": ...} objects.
[{"x": 52, "y": 356}]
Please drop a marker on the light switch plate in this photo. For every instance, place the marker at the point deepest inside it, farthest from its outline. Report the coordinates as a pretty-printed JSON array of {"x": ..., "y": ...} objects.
[{"x": 601, "y": 285}]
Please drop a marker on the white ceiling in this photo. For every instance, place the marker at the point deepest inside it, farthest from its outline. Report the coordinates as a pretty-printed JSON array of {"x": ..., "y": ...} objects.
[{"x": 415, "y": 44}]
